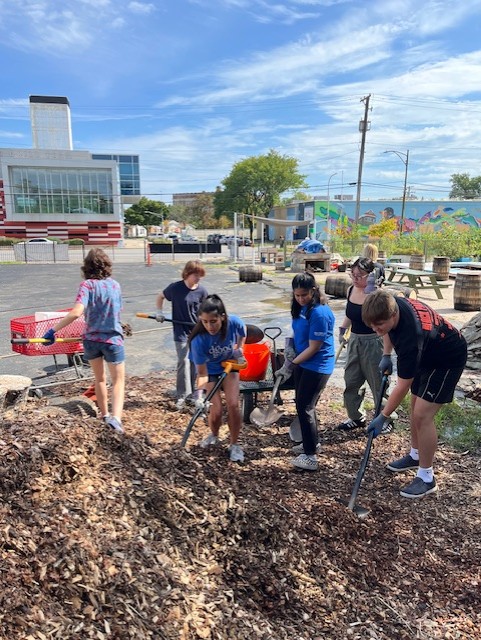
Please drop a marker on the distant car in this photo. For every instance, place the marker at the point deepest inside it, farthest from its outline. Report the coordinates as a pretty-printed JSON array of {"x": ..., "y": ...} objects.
[
  {"x": 31, "y": 240},
  {"x": 186, "y": 239}
]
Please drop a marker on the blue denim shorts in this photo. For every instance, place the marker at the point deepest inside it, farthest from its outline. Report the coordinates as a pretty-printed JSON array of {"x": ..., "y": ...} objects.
[{"x": 113, "y": 353}]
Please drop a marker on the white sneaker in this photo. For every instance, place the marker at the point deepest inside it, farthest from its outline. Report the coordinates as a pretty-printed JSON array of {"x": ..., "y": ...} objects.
[
  {"x": 210, "y": 441},
  {"x": 309, "y": 463},
  {"x": 299, "y": 448},
  {"x": 180, "y": 404},
  {"x": 235, "y": 453}
]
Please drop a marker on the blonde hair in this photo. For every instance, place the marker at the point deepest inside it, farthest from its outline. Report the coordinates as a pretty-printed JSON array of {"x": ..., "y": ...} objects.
[{"x": 371, "y": 251}]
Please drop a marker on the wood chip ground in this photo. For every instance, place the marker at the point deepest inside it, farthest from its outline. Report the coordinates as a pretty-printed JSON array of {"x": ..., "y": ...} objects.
[{"x": 108, "y": 536}]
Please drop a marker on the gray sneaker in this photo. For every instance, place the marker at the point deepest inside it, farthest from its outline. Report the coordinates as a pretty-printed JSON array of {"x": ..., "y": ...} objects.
[
  {"x": 235, "y": 453},
  {"x": 418, "y": 488},
  {"x": 114, "y": 424},
  {"x": 403, "y": 464},
  {"x": 210, "y": 441},
  {"x": 308, "y": 463}
]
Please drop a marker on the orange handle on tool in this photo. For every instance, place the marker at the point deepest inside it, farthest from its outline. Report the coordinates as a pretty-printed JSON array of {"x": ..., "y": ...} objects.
[{"x": 145, "y": 315}]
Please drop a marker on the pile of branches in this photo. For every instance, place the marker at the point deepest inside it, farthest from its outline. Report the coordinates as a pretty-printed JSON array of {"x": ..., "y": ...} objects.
[{"x": 108, "y": 536}]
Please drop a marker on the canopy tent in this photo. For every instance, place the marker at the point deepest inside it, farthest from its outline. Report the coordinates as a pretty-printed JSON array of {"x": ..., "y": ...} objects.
[{"x": 278, "y": 222}]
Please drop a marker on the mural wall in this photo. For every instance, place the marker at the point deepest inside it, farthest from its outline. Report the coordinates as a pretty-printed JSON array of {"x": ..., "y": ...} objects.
[{"x": 419, "y": 215}]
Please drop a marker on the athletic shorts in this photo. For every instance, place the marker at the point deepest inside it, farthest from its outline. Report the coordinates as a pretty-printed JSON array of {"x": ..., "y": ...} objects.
[
  {"x": 436, "y": 385},
  {"x": 113, "y": 353}
]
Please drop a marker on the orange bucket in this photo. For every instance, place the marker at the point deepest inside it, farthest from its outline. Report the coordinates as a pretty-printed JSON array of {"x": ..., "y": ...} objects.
[{"x": 257, "y": 356}]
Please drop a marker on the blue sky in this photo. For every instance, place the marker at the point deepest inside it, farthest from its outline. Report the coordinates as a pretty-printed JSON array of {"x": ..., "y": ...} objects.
[{"x": 194, "y": 86}]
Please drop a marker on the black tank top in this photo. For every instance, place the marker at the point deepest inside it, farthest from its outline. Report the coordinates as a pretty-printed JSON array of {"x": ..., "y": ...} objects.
[{"x": 354, "y": 313}]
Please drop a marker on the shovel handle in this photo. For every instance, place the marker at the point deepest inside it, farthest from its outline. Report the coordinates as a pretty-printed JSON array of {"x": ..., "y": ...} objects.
[{"x": 42, "y": 340}]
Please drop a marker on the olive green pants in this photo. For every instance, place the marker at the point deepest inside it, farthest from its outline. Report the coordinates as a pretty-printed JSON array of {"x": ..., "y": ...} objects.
[{"x": 364, "y": 352}]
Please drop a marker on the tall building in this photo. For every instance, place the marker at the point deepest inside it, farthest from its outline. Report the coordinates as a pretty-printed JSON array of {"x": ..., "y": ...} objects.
[
  {"x": 53, "y": 190},
  {"x": 51, "y": 124}
]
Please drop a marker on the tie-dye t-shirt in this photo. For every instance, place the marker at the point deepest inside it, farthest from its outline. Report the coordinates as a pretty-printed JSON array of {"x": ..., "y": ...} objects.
[{"x": 102, "y": 300}]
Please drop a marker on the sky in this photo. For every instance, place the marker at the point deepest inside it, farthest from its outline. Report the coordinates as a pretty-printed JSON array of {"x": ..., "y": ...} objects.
[{"x": 194, "y": 86}]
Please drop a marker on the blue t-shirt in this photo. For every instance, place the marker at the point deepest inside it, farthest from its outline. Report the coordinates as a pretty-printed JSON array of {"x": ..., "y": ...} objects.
[
  {"x": 185, "y": 307},
  {"x": 212, "y": 350},
  {"x": 102, "y": 300},
  {"x": 319, "y": 326}
]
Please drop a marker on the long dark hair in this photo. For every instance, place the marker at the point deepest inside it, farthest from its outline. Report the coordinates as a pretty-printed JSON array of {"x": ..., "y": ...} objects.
[
  {"x": 211, "y": 304},
  {"x": 307, "y": 281}
]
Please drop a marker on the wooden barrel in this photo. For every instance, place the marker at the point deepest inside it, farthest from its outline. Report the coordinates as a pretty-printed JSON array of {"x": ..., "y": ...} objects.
[
  {"x": 250, "y": 273},
  {"x": 416, "y": 262},
  {"x": 467, "y": 291},
  {"x": 441, "y": 265},
  {"x": 337, "y": 286}
]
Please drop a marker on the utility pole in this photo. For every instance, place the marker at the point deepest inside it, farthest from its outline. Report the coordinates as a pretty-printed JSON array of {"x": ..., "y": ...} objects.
[{"x": 364, "y": 126}]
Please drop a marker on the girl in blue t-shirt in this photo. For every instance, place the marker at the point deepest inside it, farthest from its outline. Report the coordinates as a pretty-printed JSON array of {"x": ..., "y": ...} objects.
[
  {"x": 217, "y": 337},
  {"x": 313, "y": 353}
]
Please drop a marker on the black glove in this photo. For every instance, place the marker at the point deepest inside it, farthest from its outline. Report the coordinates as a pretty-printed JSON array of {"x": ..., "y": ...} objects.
[
  {"x": 385, "y": 366},
  {"x": 49, "y": 336},
  {"x": 378, "y": 425}
]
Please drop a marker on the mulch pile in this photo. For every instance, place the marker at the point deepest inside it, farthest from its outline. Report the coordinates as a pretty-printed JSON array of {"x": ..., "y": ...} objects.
[{"x": 108, "y": 536}]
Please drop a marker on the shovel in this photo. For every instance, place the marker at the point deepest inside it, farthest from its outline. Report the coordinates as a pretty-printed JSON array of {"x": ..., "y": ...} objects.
[
  {"x": 265, "y": 417},
  {"x": 254, "y": 333},
  {"x": 229, "y": 365},
  {"x": 43, "y": 340},
  {"x": 362, "y": 512},
  {"x": 345, "y": 339}
]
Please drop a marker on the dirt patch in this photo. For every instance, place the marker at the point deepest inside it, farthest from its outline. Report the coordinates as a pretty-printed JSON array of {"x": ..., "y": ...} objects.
[{"x": 105, "y": 536}]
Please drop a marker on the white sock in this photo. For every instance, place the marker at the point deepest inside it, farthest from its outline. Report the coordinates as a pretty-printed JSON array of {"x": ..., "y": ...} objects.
[
  {"x": 414, "y": 453},
  {"x": 426, "y": 475}
]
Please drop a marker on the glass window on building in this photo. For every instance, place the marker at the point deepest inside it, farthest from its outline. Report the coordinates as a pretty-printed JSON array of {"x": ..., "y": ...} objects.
[{"x": 63, "y": 191}]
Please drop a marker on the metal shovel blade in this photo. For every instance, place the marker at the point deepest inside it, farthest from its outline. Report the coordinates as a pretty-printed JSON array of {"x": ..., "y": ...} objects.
[
  {"x": 360, "y": 512},
  {"x": 265, "y": 417}
]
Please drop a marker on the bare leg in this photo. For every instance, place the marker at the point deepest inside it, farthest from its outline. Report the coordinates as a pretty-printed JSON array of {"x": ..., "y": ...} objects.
[
  {"x": 117, "y": 375},
  {"x": 231, "y": 390},
  {"x": 424, "y": 436},
  {"x": 97, "y": 365},
  {"x": 215, "y": 412}
]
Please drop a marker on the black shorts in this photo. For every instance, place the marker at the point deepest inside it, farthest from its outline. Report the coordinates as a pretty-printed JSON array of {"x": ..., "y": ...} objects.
[
  {"x": 436, "y": 385},
  {"x": 213, "y": 377}
]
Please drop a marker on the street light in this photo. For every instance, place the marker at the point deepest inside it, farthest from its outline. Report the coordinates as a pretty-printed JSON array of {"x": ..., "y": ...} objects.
[
  {"x": 328, "y": 216},
  {"x": 404, "y": 157}
]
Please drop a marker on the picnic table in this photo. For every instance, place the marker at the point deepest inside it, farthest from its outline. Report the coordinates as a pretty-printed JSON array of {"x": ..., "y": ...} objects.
[
  {"x": 269, "y": 253},
  {"x": 416, "y": 279}
]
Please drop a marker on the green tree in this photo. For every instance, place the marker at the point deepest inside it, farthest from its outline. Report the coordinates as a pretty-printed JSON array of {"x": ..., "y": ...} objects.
[
  {"x": 386, "y": 228},
  {"x": 202, "y": 212},
  {"x": 255, "y": 184},
  {"x": 463, "y": 187},
  {"x": 147, "y": 213},
  {"x": 297, "y": 196}
]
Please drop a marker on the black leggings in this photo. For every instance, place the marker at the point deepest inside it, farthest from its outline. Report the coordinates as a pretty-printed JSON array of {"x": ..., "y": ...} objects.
[{"x": 309, "y": 385}]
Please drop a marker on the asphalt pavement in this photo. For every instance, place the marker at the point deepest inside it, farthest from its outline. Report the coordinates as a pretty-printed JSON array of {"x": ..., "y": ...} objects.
[{"x": 50, "y": 287}]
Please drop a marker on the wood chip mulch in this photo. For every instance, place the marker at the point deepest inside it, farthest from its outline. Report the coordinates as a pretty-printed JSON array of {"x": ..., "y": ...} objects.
[{"x": 108, "y": 536}]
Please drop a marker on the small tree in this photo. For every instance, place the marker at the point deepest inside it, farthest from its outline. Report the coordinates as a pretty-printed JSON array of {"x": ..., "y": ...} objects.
[{"x": 147, "y": 213}]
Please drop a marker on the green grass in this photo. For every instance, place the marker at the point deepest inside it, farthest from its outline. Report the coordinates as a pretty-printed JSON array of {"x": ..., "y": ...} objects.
[{"x": 459, "y": 424}]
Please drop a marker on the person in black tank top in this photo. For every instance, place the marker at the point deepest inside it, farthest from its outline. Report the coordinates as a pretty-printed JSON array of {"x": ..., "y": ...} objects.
[{"x": 364, "y": 350}]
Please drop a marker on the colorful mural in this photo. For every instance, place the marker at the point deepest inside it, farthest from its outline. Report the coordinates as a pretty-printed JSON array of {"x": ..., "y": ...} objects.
[{"x": 419, "y": 215}]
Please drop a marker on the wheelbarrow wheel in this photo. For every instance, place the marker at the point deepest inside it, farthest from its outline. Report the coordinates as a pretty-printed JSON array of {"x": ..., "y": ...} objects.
[{"x": 248, "y": 405}]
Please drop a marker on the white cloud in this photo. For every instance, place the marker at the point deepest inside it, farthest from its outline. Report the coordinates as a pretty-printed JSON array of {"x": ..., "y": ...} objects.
[{"x": 141, "y": 7}]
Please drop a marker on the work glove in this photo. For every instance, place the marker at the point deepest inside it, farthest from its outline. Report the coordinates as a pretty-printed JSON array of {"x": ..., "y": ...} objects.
[
  {"x": 237, "y": 354},
  {"x": 49, "y": 336},
  {"x": 285, "y": 371},
  {"x": 385, "y": 366},
  {"x": 159, "y": 316},
  {"x": 342, "y": 331},
  {"x": 378, "y": 425},
  {"x": 289, "y": 352},
  {"x": 200, "y": 402}
]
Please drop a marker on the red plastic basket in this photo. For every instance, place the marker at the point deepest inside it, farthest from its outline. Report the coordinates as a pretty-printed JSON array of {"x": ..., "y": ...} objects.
[
  {"x": 257, "y": 356},
  {"x": 28, "y": 327}
]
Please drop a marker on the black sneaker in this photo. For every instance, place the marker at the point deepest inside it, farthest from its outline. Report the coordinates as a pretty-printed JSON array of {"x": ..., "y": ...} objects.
[
  {"x": 403, "y": 464},
  {"x": 387, "y": 428},
  {"x": 350, "y": 425},
  {"x": 418, "y": 488}
]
